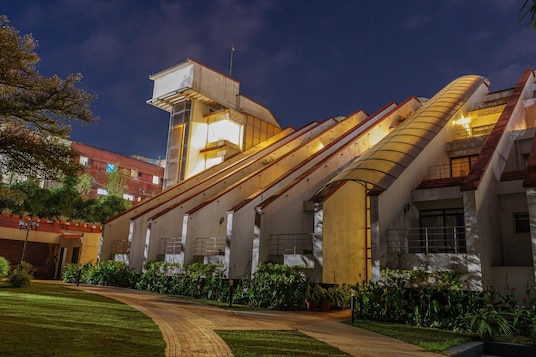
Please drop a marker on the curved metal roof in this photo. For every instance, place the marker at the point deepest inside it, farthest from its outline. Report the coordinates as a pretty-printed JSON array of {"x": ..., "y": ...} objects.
[{"x": 383, "y": 163}]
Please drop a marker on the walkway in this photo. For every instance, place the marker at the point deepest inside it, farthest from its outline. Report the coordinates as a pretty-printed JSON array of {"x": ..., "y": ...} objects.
[{"x": 188, "y": 327}]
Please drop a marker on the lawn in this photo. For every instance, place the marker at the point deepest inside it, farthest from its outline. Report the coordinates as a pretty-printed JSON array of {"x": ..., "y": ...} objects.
[
  {"x": 53, "y": 320},
  {"x": 276, "y": 343}
]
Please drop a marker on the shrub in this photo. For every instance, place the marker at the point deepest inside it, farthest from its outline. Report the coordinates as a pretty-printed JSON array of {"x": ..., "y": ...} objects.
[
  {"x": 489, "y": 323},
  {"x": 21, "y": 275},
  {"x": 74, "y": 273},
  {"x": 109, "y": 272},
  {"x": 4, "y": 267},
  {"x": 159, "y": 277}
]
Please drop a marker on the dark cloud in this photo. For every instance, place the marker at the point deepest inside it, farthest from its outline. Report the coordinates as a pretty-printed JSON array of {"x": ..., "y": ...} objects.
[{"x": 305, "y": 61}]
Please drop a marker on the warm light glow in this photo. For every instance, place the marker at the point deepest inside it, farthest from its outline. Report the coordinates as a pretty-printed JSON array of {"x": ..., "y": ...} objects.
[
  {"x": 464, "y": 121},
  {"x": 225, "y": 130}
]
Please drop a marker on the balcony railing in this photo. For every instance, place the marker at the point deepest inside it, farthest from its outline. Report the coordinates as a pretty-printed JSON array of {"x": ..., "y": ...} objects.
[
  {"x": 209, "y": 246},
  {"x": 428, "y": 240},
  {"x": 456, "y": 169},
  {"x": 119, "y": 247},
  {"x": 293, "y": 243},
  {"x": 171, "y": 245}
]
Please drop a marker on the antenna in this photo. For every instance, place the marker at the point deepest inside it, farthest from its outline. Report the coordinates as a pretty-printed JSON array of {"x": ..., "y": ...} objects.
[{"x": 231, "y": 64}]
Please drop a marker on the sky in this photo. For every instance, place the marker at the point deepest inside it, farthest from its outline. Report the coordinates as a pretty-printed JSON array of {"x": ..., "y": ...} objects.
[{"x": 305, "y": 60}]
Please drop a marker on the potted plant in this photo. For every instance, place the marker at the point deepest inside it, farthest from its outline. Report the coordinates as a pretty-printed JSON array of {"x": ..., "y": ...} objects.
[{"x": 313, "y": 296}]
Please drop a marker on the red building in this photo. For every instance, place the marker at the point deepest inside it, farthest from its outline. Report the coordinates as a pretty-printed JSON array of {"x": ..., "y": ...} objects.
[{"x": 144, "y": 179}]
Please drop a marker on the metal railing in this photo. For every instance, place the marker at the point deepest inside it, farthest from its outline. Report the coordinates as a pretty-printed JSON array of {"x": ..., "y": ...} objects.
[
  {"x": 455, "y": 169},
  {"x": 119, "y": 247},
  {"x": 170, "y": 245},
  {"x": 210, "y": 246},
  {"x": 428, "y": 240},
  {"x": 291, "y": 243}
]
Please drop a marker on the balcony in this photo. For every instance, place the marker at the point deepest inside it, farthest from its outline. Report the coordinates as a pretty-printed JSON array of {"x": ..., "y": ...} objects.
[
  {"x": 170, "y": 245},
  {"x": 292, "y": 243},
  {"x": 427, "y": 240},
  {"x": 119, "y": 247},
  {"x": 209, "y": 246}
]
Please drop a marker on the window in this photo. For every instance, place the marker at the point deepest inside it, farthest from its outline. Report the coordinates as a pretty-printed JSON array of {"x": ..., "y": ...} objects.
[
  {"x": 442, "y": 231},
  {"x": 134, "y": 173},
  {"x": 521, "y": 222},
  {"x": 84, "y": 160},
  {"x": 128, "y": 197},
  {"x": 461, "y": 166},
  {"x": 110, "y": 167},
  {"x": 156, "y": 180},
  {"x": 101, "y": 192}
]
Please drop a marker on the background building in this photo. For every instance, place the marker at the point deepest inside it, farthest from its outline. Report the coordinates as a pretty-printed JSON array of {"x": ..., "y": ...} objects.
[
  {"x": 439, "y": 184},
  {"x": 142, "y": 178}
]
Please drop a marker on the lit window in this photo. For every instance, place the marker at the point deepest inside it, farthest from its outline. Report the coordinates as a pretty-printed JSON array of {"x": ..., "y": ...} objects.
[
  {"x": 156, "y": 180},
  {"x": 110, "y": 167},
  {"x": 134, "y": 173},
  {"x": 102, "y": 192},
  {"x": 521, "y": 222},
  {"x": 128, "y": 197},
  {"x": 84, "y": 160}
]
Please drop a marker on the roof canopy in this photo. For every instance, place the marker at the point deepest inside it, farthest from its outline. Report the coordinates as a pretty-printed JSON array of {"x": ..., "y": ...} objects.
[{"x": 381, "y": 165}]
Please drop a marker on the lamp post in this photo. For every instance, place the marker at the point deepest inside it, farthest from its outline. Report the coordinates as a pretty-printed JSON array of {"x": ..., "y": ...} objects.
[{"x": 27, "y": 226}]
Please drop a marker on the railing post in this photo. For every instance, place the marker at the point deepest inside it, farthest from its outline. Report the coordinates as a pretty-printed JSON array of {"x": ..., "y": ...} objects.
[
  {"x": 455, "y": 240},
  {"x": 426, "y": 239}
]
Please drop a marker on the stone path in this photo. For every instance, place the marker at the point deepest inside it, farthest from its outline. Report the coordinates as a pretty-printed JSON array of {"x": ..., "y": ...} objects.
[{"x": 188, "y": 327}]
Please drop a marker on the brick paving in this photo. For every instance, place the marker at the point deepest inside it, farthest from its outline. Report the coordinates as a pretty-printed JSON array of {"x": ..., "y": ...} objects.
[{"x": 188, "y": 327}]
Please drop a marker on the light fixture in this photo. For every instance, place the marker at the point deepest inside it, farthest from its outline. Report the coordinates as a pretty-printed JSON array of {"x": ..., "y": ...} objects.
[{"x": 465, "y": 122}]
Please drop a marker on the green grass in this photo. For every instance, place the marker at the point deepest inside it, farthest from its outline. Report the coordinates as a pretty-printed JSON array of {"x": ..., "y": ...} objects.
[
  {"x": 275, "y": 343},
  {"x": 53, "y": 320},
  {"x": 430, "y": 339}
]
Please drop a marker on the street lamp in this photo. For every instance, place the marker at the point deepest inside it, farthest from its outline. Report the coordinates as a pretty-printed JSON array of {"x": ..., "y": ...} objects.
[{"x": 27, "y": 226}]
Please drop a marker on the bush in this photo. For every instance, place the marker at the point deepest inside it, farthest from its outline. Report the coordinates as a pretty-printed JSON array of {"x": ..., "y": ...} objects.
[
  {"x": 4, "y": 267},
  {"x": 109, "y": 272},
  {"x": 74, "y": 273},
  {"x": 158, "y": 277},
  {"x": 21, "y": 276}
]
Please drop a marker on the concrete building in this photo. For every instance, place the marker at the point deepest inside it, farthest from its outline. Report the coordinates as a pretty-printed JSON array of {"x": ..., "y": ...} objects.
[
  {"x": 142, "y": 179},
  {"x": 444, "y": 183},
  {"x": 47, "y": 244}
]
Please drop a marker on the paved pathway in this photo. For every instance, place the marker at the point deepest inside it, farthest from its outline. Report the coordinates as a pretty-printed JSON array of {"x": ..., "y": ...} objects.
[{"x": 188, "y": 327}]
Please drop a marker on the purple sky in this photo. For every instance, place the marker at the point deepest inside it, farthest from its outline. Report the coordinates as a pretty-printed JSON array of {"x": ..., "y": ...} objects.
[{"x": 304, "y": 60}]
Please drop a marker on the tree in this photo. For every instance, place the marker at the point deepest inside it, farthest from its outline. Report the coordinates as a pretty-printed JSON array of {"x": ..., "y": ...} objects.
[
  {"x": 528, "y": 13},
  {"x": 36, "y": 112},
  {"x": 116, "y": 184}
]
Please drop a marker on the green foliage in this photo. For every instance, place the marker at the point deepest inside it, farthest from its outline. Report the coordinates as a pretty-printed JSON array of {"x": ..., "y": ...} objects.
[
  {"x": 4, "y": 267},
  {"x": 159, "y": 277},
  {"x": 62, "y": 201},
  {"x": 488, "y": 323},
  {"x": 528, "y": 13},
  {"x": 36, "y": 111},
  {"x": 116, "y": 183},
  {"x": 21, "y": 276},
  {"x": 73, "y": 272},
  {"x": 275, "y": 286},
  {"x": 107, "y": 272}
]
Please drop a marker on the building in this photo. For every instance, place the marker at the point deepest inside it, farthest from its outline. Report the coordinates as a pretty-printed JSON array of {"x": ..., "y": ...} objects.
[
  {"x": 440, "y": 183},
  {"x": 142, "y": 178},
  {"x": 47, "y": 245}
]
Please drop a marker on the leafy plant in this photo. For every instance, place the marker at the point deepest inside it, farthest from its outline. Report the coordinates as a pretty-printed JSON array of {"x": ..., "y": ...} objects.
[
  {"x": 4, "y": 267},
  {"x": 489, "y": 323},
  {"x": 22, "y": 275}
]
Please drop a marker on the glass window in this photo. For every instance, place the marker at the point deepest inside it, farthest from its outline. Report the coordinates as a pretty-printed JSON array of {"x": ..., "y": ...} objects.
[
  {"x": 110, "y": 167},
  {"x": 156, "y": 180},
  {"x": 84, "y": 160},
  {"x": 521, "y": 222},
  {"x": 102, "y": 192},
  {"x": 442, "y": 231},
  {"x": 461, "y": 166}
]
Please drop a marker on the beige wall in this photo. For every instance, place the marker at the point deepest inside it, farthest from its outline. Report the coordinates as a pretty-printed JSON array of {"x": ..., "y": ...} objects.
[{"x": 345, "y": 239}]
